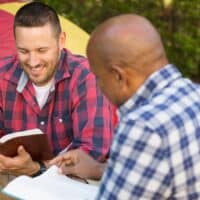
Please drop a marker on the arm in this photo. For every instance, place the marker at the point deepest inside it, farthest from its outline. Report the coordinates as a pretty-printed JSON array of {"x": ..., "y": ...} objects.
[
  {"x": 92, "y": 117},
  {"x": 1, "y": 117},
  {"x": 22, "y": 163},
  {"x": 78, "y": 163}
]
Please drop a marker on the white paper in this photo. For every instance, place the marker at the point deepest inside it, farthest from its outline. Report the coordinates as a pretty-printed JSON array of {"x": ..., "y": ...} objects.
[{"x": 51, "y": 186}]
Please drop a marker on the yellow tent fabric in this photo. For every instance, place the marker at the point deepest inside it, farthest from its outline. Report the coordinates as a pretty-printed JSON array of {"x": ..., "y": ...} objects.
[{"x": 77, "y": 38}]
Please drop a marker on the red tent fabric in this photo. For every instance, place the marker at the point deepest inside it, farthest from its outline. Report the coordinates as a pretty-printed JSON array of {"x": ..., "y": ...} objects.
[
  {"x": 7, "y": 1},
  {"x": 7, "y": 42}
]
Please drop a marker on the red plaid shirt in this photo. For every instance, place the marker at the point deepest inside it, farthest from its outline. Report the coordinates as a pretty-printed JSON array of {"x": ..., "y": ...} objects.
[{"x": 75, "y": 110}]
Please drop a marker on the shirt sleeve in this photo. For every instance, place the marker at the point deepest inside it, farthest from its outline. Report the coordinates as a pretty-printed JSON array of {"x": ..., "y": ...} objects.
[
  {"x": 1, "y": 118},
  {"x": 2, "y": 63},
  {"x": 137, "y": 168},
  {"x": 92, "y": 117}
]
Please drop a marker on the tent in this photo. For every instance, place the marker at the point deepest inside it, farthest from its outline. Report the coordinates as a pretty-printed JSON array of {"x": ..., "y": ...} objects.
[{"x": 76, "y": 37}]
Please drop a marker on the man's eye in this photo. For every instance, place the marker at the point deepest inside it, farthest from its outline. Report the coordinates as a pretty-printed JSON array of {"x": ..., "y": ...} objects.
[
  {"x": 42, "y": 50},
  {"x": 23, "y": 51}
]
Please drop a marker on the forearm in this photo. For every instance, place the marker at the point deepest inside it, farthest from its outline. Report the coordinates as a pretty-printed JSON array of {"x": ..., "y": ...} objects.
[{"x": 92, "y": 120}]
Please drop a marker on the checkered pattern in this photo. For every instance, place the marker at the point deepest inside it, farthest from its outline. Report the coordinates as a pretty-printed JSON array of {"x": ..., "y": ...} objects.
[
  {"x": 156, "y": 148},
  {"x": 75, "y": 110}
]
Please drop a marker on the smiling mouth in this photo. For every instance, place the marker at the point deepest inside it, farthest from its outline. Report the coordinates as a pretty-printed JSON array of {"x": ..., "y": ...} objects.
[{"x": 36, "y": 70}]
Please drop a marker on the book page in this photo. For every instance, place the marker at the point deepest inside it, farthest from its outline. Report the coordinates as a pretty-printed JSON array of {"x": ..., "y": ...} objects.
[
  {"x": 20, "y": 133},
  {"x": 52, "y": 186}
]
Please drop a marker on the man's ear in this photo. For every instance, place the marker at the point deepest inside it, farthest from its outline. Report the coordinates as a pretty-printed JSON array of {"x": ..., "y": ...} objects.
[
  {"x": 120, "y": 75},
  {"x": 62, "y": 40}
]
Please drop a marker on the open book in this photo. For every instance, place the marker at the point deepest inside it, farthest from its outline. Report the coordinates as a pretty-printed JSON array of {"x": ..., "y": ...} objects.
[
  {"x": 50, "y": 185},
  {"x": 34, "y": 141}
]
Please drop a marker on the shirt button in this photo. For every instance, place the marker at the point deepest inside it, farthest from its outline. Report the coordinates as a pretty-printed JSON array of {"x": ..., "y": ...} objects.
[
  {"x": 42, "y": 123},
  {"x": 60, "y": 120}
]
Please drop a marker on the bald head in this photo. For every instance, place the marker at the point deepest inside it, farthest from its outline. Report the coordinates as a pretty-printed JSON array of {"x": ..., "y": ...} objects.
[
  {"x": 128, "y": 41},
  {"x": 123, "y": 52}
]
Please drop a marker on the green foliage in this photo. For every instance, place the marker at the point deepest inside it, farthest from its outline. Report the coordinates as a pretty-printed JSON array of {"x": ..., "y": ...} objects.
[{"x": 179, "y": 24}]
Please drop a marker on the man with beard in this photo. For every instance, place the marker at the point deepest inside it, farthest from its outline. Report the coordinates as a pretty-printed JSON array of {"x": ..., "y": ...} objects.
[{"x": 47, "y": 87}]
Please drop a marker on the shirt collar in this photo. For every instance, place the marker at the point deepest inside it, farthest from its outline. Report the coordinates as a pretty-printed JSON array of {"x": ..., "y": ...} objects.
[
  {"x": 22, "y": 82},
  {"x": 156, "y": 81}
]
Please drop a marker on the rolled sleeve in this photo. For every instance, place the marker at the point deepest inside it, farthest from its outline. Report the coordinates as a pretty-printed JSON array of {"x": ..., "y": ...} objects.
[{"x": 92, "y": 118}]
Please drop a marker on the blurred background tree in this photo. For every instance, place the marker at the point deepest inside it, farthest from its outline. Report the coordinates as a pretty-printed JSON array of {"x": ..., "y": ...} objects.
[{"x": 177, "y": 20}]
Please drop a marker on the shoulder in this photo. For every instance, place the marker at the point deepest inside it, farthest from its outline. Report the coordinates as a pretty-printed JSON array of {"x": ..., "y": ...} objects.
[
  {"x": 9, "y": 69},
  {"x": 7, "y": 64},
  {"x": 78, "y": 65},
  {"x": 74, "y": 60},
  {"x": 151, "y": 116}
]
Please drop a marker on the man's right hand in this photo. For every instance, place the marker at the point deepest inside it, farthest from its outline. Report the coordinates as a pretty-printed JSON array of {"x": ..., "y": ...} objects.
[
  {"x": 18, "y": 165},
  {"x": 78, "y": 163}
]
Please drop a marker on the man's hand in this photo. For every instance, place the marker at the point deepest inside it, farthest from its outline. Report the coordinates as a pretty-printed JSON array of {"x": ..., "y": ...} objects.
[
  {"x": 18, "y": 165},
  {"x": 78, "y": 163}
]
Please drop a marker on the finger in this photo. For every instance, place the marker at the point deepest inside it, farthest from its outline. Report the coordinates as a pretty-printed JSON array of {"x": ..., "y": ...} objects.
[
  {"x": 70, "y": 157},
  {"x": 68, "y": 162},
  {"x": 60, "y": 159},
  {"x": 2, "y": 158},
  {"x": 58, "y": 164},
  {"x": 2, "y": 168},
  {"x": 46, "y": 162},
  {"x": 7, "y": 166},
  {"x": 67, "y": 169},
  {"x": 56, "y": 160},
  {"x": 5, "y": 161}
]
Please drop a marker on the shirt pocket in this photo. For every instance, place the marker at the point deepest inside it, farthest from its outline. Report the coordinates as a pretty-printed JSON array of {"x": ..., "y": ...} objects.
[{"x": 62, "y": 127}]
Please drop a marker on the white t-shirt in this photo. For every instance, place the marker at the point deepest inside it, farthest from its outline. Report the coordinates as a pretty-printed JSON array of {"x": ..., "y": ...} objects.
[{"x": 42, "y": 92}]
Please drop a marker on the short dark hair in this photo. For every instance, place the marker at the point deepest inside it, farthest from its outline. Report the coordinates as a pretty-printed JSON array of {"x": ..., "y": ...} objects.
[{"x": 37, "y": 14}]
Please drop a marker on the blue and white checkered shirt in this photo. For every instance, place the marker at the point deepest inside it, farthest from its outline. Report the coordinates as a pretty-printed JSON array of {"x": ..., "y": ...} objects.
[{"x": 156, "y": 149}]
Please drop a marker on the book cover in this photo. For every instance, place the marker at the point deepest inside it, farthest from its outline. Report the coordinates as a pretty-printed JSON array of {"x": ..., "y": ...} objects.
[{"x": 34, "y": 141}]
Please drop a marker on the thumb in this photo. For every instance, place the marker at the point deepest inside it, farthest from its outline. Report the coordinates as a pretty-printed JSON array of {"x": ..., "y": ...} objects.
[{"x": 21, "y": 151}]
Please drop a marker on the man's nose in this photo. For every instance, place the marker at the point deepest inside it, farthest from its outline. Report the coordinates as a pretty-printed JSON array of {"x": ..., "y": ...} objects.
[{"x": 33, "y": 60}]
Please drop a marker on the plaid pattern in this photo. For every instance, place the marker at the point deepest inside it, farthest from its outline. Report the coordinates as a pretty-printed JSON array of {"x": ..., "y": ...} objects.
[
  {"x": 156, "y": 149},
  {"x": 75, "y": 110}
]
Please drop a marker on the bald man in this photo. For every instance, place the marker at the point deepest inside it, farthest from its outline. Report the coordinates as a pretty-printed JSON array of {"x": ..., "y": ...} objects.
[{"x": 156, "y": 149}]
